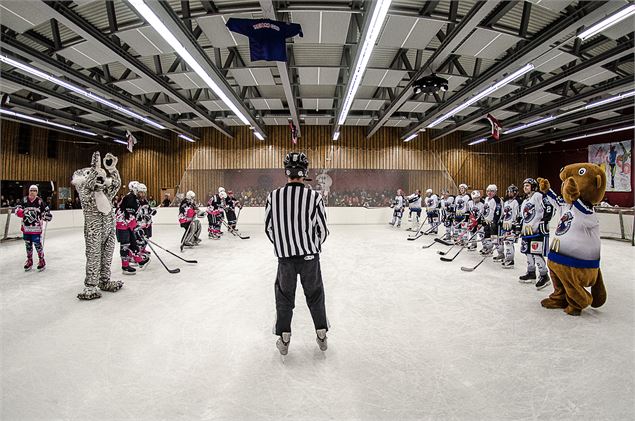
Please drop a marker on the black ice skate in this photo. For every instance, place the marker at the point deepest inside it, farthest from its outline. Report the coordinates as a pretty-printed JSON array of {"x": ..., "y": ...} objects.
[
  {"x": 283, "y": 343},
  {"x": 508, "y": 264},
  {"x": 41, "y": 265},
  {"x": 528, "y": 277},
  {"x": 28, "y": 265},
  {"x": 127, "y": 270},
  {"x": 543, "y": 281},
  {"x": 144, "y": 262},
  {"x": 498, "y": 258},
  {"x": 321, "y": 339}
]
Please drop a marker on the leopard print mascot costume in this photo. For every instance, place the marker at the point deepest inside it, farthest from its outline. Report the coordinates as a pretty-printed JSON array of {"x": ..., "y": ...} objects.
[{"x": 96, "y": 190}]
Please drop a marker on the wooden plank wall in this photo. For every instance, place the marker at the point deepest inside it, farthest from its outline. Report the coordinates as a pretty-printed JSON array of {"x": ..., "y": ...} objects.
[{"x": 162, "y": 164}]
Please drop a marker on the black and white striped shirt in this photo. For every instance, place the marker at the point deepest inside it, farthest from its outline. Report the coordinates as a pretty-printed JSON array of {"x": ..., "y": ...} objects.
[{"x": 295, "y": 220}]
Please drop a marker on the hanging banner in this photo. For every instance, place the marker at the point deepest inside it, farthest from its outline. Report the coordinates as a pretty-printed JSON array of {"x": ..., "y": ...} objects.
[{"x": 616, "y": 160}]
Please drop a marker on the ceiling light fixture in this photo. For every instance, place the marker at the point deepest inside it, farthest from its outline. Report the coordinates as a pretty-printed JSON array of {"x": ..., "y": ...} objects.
[
  {"x": 606, "y": 23},
  {"x": 162, "y": 30},
  {"x": 45, "y": 121},
  {"x": 412, "y": 136},
  {"x": 123, "y": 142},
  {"x": 189, "y": 139},
  {"x": 508, "y": 79},
  {"x": 91, "y": 96},
  {"x": 477, "y": 141},
  {"x": 530, "y": 124},
  {"x": 258, "y": 135},
  {"x": 376, "y": 24},
  {"x": 620, "y": 129},
  {"x": 609, "y": 100},
  {"x": 336, "y": 135}
]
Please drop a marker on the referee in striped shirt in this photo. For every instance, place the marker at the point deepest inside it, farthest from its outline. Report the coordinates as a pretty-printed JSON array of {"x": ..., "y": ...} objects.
[{"x": 295, "y": 222}]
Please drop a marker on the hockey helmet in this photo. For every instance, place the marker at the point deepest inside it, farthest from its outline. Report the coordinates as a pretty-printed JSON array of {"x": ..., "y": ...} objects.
[
  {"x": 190, "y": 195},
  {"x": 142, "y": 188},
  {"x": 476, "y": 195},
  {"x": 463, "y": 186},
  {"x": 429, "y": 191},
  {"x": 532, "y": 182},
  {"x": 492, "y": 187},
  {"x": 223, "y": 194},
  {"x": 296, "y": 165},
  {"x": 512, "y": 189},
  {"x": 230, "y": 193},
  {"x": 33, "y": 187},
  {"x": 220, "y": 189},
  {"x": 132, "y": 186}
]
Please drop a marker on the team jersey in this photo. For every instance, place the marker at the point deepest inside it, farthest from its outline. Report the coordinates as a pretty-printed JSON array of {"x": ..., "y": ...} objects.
[
  {"x": 398, "y": 202},
  {"x": 144, "y": 213},
  {"x": 187, "y": 211},
  {"x": 531, "y": 212},
  {"x": 215, "y": 203},
  {"x": 432, "y": 203},
  {"x": 267, "y": 38},
  {"x": 447, "y": 204},
  {"x": 475, "y": 209},
  {"x": 510, "y": 214},
  {"x": 577, "y": 238},
  {"x": 492, "y": 210},
  {"x": 461, "y": 202},
  {"x": 33, "y": 213},
  {"x": 414, "y": 201},
  {"x": 126, "y": 216}
]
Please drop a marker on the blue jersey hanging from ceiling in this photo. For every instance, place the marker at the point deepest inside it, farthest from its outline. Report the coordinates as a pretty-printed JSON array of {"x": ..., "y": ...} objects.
[{"x": 267, "y": 38}]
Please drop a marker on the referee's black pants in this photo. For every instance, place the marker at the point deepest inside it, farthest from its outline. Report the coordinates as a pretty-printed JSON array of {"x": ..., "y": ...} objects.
[{"x": 308, "y": 267}]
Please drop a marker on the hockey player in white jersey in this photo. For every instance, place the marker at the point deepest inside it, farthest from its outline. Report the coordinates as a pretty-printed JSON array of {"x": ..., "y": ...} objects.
[
  {"x": 492, "y": 209},
  {"x": 534, "y": 235},
  {"x": 447, "y": 213},
  {"x": 475, "y": 210},
  {"x": 432, "y": 210},
  {"x": 509, "y": 228},
  {"x": 397, "y": 205},
  {"x": 460, "y": 211},
  {"x": 414, "y": 205}
]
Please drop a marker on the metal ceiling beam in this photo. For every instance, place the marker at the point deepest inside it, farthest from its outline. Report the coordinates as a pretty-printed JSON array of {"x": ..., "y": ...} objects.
[
  {"x": 621, "y": 50},
  {"x": 587, "y": 13},
  {"x": 617, "y": 84},
  {"x": 471, "y": 20},
  {"x": 575, "y": 131},
  {"x": 96, "y": 139},
  {"x": 63, "y": 14},
  {"x": 9, "y": 43},
  {"x": 178, "y": 28},
  {"x": 82, "y": 105}
]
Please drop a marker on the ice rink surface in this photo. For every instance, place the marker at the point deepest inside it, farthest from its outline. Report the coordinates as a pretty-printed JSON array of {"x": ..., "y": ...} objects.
[{"x": 411, "y": 337}]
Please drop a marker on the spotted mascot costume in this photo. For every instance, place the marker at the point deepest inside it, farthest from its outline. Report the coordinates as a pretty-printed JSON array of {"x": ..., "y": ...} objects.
[{"x": 96, "y": 188}]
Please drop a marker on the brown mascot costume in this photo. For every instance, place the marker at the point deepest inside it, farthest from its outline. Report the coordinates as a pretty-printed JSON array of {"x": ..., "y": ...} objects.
[{"x": 574, "y": 256}]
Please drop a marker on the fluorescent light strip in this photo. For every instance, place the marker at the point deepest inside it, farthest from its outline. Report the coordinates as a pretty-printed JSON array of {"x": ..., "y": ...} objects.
[
  {"x": 189, "y": 139},
  {"x": 91, "y": 96},
  {"x": 44, "y": 121},
  {"x": 510, "y": 78},
  {"x": 609, "y": 100},
  {"x": 123, "y": 142},
  {"x": 336, "y": 135},
  {"x": 162, "y": 30},
  {"x": 608, "y": 22},
  {"x": 477, "y": 141},
  {"x": 530, "y": 124},
  {"x": 376, "y": 23},
  {"x": 584, "y": 136},
  {"x": 258, "y": 135},
  {"x": 412, "y": 136}
]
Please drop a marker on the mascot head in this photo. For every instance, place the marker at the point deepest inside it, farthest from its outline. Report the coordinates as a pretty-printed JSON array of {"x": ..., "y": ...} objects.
[
  {"x": 590, "y": 180},
  {"x": 93, "y": 178}
]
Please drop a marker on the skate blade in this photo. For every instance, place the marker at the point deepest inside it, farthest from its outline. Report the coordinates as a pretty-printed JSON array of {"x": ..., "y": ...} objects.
[{"x": 128, "y": 273}]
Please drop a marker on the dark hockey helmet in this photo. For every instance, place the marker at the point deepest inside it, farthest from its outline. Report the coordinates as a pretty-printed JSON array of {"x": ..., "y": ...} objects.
[
  {"x": 512, "y": 189},
  {"x": 296, "y": 165},
  {"x": 532, "y": 182}
]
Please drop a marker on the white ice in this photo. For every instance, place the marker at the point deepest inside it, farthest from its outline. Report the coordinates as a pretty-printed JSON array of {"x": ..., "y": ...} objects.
[{"x": 411, "y": 337}]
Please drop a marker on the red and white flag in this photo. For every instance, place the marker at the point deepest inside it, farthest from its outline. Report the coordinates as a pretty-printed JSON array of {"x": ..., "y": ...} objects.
[
  {"x": 496, "y": 127},
  {"x": 131, "y": 140},
  {"x": 294, "y": 133}
]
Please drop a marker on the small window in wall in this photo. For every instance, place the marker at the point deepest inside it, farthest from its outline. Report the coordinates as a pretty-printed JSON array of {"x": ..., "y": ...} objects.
[
  {"x": 24, "y": 139},
  {"x": 51, "y": 146}
]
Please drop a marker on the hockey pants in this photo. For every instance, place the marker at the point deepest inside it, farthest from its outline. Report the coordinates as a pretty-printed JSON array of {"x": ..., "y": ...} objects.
[{"x": 29, "y": 241}]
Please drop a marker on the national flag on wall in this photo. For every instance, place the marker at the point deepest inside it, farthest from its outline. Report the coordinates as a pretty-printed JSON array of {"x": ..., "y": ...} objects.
[
  {"x": 496, "y": 127},
  {"x": 131, "y": 140}
]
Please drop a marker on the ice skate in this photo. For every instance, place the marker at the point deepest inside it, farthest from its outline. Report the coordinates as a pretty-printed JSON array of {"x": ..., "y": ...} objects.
[
  {"x": 543, "y": 281},
  {"x": 127, "y": 270},
  {"x": 110, "y": 286},
  {"x": 321, "y": 339},
  {"x": 143, "y": 263},
  {"x": 28, "y": 265},
  {"x": 283, "y": 343},
  {"x": 89, "y": 293},
  {"x": 498, "y": 258},
  {"x": 41, "y": 265},
  {"x": 528, "y": 277},
  {"x": 508, "y": 264}
]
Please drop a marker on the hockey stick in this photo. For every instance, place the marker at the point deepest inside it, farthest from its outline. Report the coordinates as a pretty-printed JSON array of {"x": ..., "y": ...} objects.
[
  {"x": 418, "y": 234},
  {"x": 187, "y": 231},
  {"x": 426, "y": 246},
  {"x": 449, "y": 259},
  {"x": 422, "y": 234},
  {"x": 173, "y": 254},
  {"x": 432, "y": 228},
  {"x": 471, "y": 269},
  {"x": 235, "y": 232},
  {"x": 175, "y": 270}
]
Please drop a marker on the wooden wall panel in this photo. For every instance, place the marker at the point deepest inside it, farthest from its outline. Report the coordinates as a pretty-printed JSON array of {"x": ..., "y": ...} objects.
[{"x": 161, "y": 164}]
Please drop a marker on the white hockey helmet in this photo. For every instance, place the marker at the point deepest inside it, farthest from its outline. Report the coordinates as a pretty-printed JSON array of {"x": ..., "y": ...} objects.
[
  {"x": 221, "y": 189},
  {"x": 429, "y": 191},
  {"x": 463, "y": 186},
  {"x": 142, "y": 188},
  {"x": 492, "y": 187},
  {"x": 132, "y": 185},
  {"x": 476, "y": 195},
  {"x": 33, "y": 187},
  {"x": 222, "y": 194},
  {"x": 190, "y": 195}
]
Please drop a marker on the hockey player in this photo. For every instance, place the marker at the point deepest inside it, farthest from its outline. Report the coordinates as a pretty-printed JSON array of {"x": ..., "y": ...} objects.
[
  {"x": 461, "y": 211},
  {"x": 144, "y": 219},
  {"x": 231, "y": 203},
  {"x": 475, "y": 222},
  {"x": 509, "y": 229},
  {"x": 215, "y": 213},
  {"x": 432, "y": 210},
  {"x": 33, "y": 211},
  {"x": 447, "y": 213},
  {"x": 188, "y": 211},
  {"x": 535, "y": 236},
  {"x": 397, "y": 204},
  {"x": 492, "y": 209},
  {"x": 126, "y": 223},
  {"x": 414, "y": 205}
]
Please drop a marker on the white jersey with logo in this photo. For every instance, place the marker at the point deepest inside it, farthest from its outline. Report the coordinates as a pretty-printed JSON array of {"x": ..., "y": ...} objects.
[
  {"x": 432, "y": 203},
  {"x": 414, "y": 201},
  {"x": 510, "y": 213},
  {"x": 461, "y": 202},
  {"x": 398, "y": 202},
  {"x": 475, "y": 209},
  {"x": 532, "y": 210},
  {"x": 489, "y": 209},
  {"x": 447, "y": 202}
]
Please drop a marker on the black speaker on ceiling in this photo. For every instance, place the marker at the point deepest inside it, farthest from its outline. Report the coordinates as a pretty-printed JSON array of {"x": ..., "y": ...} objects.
[
  {"x": 24, "y": 139},
  {"x": 51, "y": 145}
]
